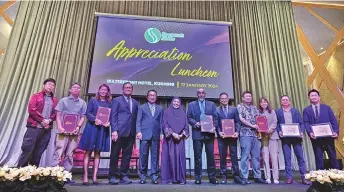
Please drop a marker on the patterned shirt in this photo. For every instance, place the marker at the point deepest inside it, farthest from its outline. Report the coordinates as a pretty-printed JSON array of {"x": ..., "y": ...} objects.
[{"x": 249, "y": 113}]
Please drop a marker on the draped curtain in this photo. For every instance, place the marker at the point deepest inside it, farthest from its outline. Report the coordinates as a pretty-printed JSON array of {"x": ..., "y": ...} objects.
[{"x": 56, "y": 38}]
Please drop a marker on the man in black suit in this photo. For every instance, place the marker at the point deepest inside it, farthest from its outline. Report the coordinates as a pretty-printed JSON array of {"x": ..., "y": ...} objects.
[{"x": 197, "y": 110}]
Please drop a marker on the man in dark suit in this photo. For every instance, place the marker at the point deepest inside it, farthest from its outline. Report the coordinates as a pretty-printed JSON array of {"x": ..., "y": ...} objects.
[
  {"x": 287, "y": 115},
  {"x": 197, "y": 110},
  {"x": 318, "y": 113},
  {"x": 228, "y": 112},
  {"x": 149, "y": 131},
  {"x": 123, "y": 129}
]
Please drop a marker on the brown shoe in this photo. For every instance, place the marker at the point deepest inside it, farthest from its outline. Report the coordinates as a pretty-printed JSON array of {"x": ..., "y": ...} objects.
[
  {"x": 289, "y": 181},
  {"x": 305, "y": 181}
]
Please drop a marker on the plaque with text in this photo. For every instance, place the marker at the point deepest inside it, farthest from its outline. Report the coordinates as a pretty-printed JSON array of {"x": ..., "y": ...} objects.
[
  {"x": 322, "y": 130},
  {"x": 291, "y": 130},
  {"x": 262, "y": 123},
  {"x": 207, "y": 124},
  {"x": 70, "y": 122},
  {"x": 228, "y": 127},
  {"x": 103, "y": 114}
]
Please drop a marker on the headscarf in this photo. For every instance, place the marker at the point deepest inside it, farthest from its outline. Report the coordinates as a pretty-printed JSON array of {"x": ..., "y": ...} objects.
[{"x": 175, "y": 118}]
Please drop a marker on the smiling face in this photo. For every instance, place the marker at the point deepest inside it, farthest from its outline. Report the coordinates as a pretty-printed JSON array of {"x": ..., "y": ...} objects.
[
  {"x": 264, "y": 104},
  {"x": 247, "y": 98},
  {"x": 224, "y": 100},
  {"x": 151, "y": 97},
  {"x": 314, "y": 98},
  {"x": 176, "y": 103},
  {"x": 128, "y": 89},
  {"x": 103, "y": 91},
  {"x": 285, "y": 102}
]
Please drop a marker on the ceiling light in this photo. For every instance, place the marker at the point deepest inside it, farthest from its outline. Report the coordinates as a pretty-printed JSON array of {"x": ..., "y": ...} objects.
[{"x": 321, "y": 48}]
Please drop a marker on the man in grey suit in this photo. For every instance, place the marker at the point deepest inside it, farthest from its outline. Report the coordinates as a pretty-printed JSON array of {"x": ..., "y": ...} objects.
[
  {"x": 149, "y": 131},
  {"x": 196, "y": 110}
]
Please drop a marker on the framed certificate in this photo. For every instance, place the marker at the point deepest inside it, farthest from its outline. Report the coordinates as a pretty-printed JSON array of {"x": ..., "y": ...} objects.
[
  {"x": 103, "y": 114},
  {"x": 291, "y": 130},
  {"x": 262, "y": 123},
  {"x": 70, "y": 122},
  {"x": 228, "y": 127},
  {"x": 207, "y": 124},
  {"x": 322, "y": 130}
]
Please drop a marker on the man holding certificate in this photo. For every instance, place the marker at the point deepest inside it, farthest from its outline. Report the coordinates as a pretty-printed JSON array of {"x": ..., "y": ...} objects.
[
  {"x": 250, "y": 144},
  {"x": 70, "y": 117},
  {"x": 290, "y": 128},
  {"x": 228, "y": 129},
  {"x": 202, "y": 117},
  {"x": 322, "y": 127}
]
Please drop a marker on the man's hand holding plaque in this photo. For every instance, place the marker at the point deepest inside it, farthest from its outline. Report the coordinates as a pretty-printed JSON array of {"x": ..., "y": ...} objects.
[
  {"x": 290, "y": 130},
  {"x": 262, "y": 123},
  {"x": 207, "y": 124},
  {"x": 70, "y": 123},
  {"x": 103, "y": 116},
  {"x": 228, "y": 128},
  {"x": 322, "y": 130}
]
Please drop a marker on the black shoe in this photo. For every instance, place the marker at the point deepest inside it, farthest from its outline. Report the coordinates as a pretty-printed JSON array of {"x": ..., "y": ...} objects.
[
  {"x": 198, "y": 182},
  {"x": 69, "y": 181},
  {"x": 155, "y": 182},
  {"x": 85, "y": 183},
  {"x": 126, "y": 180},
  {"x": 260, "y": 180},
  {"x": 213, "y": 181},
  {"x": 238, "y": 180},
  {"x": 113, "y": 181},
  {"x": 142, "y": 182},
  {"x": 245, "y": 182},
  {"x": 224, "y": 180},
  {"x": 95, "y": 182}
]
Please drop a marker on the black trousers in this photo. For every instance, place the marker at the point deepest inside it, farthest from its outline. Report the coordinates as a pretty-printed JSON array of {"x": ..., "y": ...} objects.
[
  {"x": 124, "y": 144},
  {"x": 154, "y": 146},
  {"x": 209, "y": 150},
  {"x": 223, "y": 146},
  {"x": 35, "y": 142},
  {"x": 319, "y": 146}
]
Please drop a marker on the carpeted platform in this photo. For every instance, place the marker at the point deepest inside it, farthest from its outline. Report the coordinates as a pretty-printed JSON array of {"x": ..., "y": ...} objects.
[{"x": 189, "y": 187}]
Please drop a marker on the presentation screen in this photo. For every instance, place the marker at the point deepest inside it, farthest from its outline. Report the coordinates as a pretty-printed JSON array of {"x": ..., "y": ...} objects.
[{"x": 173, "y": 57}]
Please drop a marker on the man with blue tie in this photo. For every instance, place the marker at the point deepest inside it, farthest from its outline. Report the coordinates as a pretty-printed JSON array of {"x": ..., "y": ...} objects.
[
  {"x": 196, "y": 111},
  {"x": 123, "y": 130},
  {"x": 318, "y": 113},
  {"x": 228, "y": 112},
  {"x": 149, "y": 132}
]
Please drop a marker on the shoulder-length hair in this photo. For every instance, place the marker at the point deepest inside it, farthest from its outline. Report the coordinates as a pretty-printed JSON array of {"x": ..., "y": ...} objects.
[
  {"x": 108, "y": 97},
  {"x": 267, "y": 108}
]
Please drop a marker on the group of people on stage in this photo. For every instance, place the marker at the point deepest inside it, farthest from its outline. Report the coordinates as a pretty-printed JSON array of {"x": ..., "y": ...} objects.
[{"x": 150, "y": 123}]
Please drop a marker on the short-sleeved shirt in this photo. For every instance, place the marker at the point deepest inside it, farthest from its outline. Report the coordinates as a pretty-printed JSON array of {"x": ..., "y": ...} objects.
[
  {"x": 70, "y": 105},
  {"x": 249, "y": 113}
]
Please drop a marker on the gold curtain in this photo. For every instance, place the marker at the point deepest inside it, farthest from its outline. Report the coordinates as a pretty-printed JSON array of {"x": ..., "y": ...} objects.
[{"x": 55, "y": 39}]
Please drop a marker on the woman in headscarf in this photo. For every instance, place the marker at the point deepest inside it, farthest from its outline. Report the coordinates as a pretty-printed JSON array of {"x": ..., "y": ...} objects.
[{"x": 176, "y": 130}]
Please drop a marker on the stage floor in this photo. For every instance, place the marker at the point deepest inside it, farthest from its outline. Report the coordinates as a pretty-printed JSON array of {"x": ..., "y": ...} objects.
[{"x": 189, "y": 187}]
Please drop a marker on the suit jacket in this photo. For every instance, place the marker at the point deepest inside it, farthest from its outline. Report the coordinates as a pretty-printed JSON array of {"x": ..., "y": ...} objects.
[
  {"x": 326, "y": 115},
  {"x": 232, "y": 114},
  {"x": 194, "y": 113},
  {"x": 296, "y": 118},
  {"x": 150, "y": 126},
  {"x": 122, "y": 120}
]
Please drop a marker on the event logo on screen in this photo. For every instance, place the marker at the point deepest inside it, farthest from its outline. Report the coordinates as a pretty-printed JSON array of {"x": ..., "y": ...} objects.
[{"x": 153, "y": 35}]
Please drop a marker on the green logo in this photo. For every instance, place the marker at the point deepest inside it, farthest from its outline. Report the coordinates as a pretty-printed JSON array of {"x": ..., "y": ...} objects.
[{"x": 153, "y": 35}]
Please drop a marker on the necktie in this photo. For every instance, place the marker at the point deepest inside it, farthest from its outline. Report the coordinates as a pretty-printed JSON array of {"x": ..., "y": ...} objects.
[
  {"x": 202, "y": 107},
  {"x": 152, "y": 108},
  {"x": 316, "y": 113},
  {"x": 225, "y": 110},
  {"x": 128, "y": 101}
]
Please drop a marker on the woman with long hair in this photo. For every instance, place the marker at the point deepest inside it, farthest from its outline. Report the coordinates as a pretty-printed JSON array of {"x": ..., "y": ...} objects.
[
  {"x": 269, "y": 141},
  {"x": 96, "y": 135}
]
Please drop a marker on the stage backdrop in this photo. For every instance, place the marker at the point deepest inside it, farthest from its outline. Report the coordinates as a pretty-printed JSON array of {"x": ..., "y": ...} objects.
[{"x": 171, "y": 56}]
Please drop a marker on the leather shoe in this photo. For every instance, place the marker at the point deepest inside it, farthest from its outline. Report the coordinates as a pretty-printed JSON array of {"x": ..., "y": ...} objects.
[
  {"x": 260, "y": 180},
  {"x": 213, "y": 181},
  {"x": 198, "y": 182},
  {"x": 142, "y": 182},
  {"x": 113, "y": 181},
  {"x": 224, "y": 180},
  {"x": 238, "y": 180},
  {"x": 305, "y": 181},
  {"x": 289, "y": 181},
  {"x": 155, "y": 182}
]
